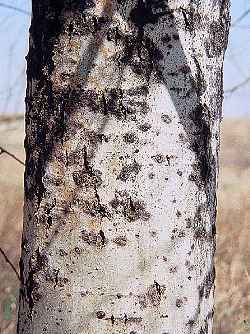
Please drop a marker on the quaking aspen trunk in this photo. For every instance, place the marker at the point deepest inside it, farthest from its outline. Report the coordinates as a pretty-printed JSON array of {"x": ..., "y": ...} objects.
[{"x": 122, "y": 136}]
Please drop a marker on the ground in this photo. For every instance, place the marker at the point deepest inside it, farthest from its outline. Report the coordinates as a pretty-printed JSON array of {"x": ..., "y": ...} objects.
[{"x": 233, "y": 251}]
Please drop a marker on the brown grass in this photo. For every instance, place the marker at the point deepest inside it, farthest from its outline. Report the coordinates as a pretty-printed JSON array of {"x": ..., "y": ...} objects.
[{"x": 232, "y": 313}]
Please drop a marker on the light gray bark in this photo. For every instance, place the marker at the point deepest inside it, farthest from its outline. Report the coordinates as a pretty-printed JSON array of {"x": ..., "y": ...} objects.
[{"x": 122, "y": 136}]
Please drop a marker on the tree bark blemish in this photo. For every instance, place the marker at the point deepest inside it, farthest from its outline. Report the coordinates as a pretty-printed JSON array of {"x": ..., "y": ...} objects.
[
  {"x": 100, "y": 314},
  {"x": 129, "y": 172},
  {"x": 120, "y": 241}
]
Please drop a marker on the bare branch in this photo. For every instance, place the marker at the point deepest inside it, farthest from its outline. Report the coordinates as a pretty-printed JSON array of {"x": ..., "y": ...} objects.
[
  {"x": 240, "y": 18},
  {"x": 10, "y": 263},
  {"x": 2, "y": 150},
  {"x": 17, "y": 9},
  {"x": 236, "y": 87}
]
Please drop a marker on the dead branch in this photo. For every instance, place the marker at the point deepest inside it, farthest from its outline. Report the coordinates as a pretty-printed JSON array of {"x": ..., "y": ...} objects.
[
  {"x": 10, "y": 263},
  {"x": 236, "y": 87},
  {"x": 2, "y": 150},
  {"x": 17, "y": 9},
  {"x": 240, "y": 18}
]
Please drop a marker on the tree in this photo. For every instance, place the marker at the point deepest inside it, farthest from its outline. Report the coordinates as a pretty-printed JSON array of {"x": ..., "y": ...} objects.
[{"x": 123, "y": 110}]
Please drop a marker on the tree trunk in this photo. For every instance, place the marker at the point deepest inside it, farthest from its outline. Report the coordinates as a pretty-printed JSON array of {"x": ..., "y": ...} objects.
[{"x": 123, "y": 110}]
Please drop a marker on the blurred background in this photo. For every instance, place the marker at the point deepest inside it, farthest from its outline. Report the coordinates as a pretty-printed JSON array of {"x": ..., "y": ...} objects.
[{"x": 232, "y": 311}]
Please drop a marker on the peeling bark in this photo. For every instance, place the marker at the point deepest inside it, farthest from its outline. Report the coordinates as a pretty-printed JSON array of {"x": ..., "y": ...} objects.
[{"x": 123, "y": 109}]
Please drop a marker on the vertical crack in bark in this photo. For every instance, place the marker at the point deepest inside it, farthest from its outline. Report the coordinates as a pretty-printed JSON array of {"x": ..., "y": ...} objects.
[
  {"x": 185, "y": 17},
  {"x": 56, "y": 278},
  {"x": 103, "y": 238},
  {"x": 158, "y": 287},
  {"x": 86, "y": 162},
  {"x": 105, "y": 109},
  {"x": 200, "y": 80}
]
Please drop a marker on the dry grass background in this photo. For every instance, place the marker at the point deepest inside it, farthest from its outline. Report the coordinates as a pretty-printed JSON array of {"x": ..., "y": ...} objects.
[{"x": 232, "y": 313}]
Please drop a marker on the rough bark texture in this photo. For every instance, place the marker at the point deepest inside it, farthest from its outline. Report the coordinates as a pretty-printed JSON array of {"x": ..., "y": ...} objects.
[{"x": 122, "y": 136}]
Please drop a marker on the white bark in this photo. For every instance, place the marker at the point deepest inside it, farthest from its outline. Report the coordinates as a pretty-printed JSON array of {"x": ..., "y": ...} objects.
[{"x": 122, "y": 135}]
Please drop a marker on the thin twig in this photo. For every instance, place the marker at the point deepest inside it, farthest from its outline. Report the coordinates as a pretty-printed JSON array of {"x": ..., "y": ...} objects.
[
  {"x": 2, "y": 150},
  {"x": 17, "y": 9},
  {"x": 240, "y": 18},
  {"x": 236, "y": 87},
  {"x": 10, "y": 263}
]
